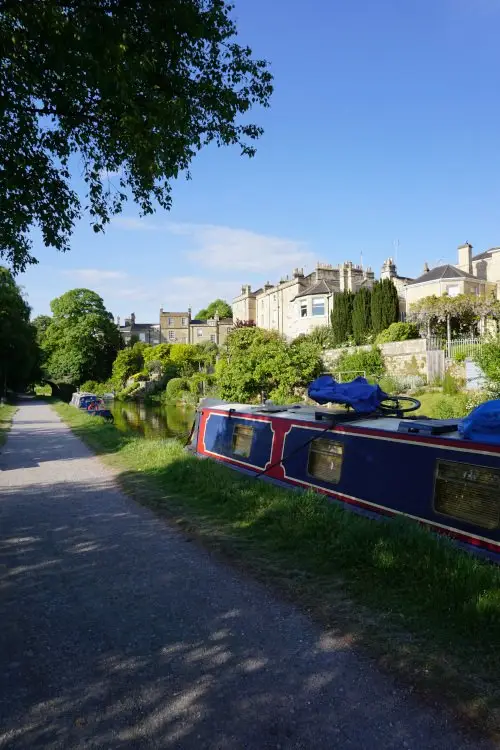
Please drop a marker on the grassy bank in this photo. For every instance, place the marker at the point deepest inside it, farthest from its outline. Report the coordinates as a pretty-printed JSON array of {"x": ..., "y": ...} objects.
[
  {"x": 6, "y": 413},
  {"x": 425, "y": 609}
]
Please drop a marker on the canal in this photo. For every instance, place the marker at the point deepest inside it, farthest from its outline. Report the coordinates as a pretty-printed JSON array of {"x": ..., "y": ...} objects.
[{"x": 152, "y": 422}]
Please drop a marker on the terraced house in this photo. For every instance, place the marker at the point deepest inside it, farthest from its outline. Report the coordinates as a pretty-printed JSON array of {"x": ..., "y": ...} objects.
[{"x": 299, "y": 303}]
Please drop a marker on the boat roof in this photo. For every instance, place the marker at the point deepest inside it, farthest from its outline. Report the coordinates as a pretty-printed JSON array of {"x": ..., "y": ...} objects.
[{"x": 306, "y": 413}]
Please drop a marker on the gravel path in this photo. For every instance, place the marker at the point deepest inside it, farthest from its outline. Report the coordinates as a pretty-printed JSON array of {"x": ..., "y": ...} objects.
[{"x": 117, "y": 633}]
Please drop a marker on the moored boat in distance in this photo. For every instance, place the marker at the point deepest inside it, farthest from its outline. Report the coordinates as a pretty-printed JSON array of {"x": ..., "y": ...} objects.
[
  {"x": 376, "y": 460},
  {"x": 92, "y": 404}
]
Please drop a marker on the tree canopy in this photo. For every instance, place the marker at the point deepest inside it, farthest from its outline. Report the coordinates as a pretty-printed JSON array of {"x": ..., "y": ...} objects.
[
  {"x": 134, "y": 89},
  {"x": 129, "y": 361},
  {"x": 19, "y": 352},
  {"x": 463, "y": 312},
  {"x": 81, "y": 341},
  {"x": 219, "y": 306},
  {"x": 257, "y": 361}
]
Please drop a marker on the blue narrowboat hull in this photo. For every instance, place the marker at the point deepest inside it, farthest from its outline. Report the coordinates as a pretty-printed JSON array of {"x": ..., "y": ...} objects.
[{"x": 448, "y": 484}]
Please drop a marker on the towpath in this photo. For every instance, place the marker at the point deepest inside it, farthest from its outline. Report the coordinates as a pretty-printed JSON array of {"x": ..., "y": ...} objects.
[{"x": 117, "y": 633}]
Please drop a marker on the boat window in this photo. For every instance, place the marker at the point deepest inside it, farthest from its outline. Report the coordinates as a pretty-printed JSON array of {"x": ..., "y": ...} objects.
[
  {"x": 468, "y": 492},
  {"x": 325, "y": 460},
  {"x": 242, "y": 440}
]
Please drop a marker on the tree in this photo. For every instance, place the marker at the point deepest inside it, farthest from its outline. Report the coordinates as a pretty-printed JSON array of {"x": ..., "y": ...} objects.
[
  {"x": 385, "y": 305},
  {"x": 342, "y": 317},
  {"x": 362, "y": 315},
  {"x": 206, "y": 354},
  {"x": 128, "y": 362},
  {"x": 19, "y": 351},
  {"x": 257, "y": 362},
  {"x": 135, "y": 89},
  {"x": 185, "y": 358},
  {"x": 159, "y": 353},
  {"x": 243, "y": 323},
  {"x": 219, "y": 306},
  {"x": 453, "y": 316},
  {"x": 82, "y": 340}
]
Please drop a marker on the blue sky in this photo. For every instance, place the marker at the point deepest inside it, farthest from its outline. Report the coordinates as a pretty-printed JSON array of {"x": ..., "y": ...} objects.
[{"x": 384, "y": 126}]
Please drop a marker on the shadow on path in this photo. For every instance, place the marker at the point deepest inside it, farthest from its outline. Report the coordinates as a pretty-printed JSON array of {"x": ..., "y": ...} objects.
[{"x": 118, "y": 633}]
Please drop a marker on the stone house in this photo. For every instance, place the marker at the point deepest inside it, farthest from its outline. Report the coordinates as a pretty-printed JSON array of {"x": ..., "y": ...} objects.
[
  {"x": 301, "y": 303},
  {"x": 460, "y": 279},
  {"x": 148, "y": 333},
  {"x": 180, "y": 328}
]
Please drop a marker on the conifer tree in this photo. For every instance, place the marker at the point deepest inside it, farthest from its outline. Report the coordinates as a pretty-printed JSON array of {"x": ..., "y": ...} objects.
[
  {"x": 385, "y": 305},
  {"x": 362, "y": 315},
  {"x": 342, "y": 317}
]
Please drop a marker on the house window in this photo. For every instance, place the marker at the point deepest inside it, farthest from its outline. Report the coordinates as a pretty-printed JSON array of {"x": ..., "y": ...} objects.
[
  {"x": 171, "y": 335},
  {"x": 318, "y": 306},
  {"x": 468, "y": 493},
  {"x": 453, "y": 290},
  {"x": 213, "y": 338},
  {"x": 142, "y": 337},
  {"x": 199, "y": 332},
  {"x": 184, "y": 321},
  {"x": 325, "y": 460},
  {"x": 303, "y": 309},
  {"x": 170, "y": 321},
  {"x": 242, "y": 440}
]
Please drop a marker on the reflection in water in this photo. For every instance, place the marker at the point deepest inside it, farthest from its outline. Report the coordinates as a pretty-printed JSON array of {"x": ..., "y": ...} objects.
[{"x": 152, "y": 422}]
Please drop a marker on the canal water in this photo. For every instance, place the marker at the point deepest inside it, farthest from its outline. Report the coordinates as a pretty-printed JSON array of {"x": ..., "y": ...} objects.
[{"x": 151, "y": 422}]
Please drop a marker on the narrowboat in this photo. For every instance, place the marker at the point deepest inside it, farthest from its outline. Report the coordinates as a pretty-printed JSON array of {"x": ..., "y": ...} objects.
[
  {"x": 92, "y": 404},
  {"x": 373, "y": 458}
]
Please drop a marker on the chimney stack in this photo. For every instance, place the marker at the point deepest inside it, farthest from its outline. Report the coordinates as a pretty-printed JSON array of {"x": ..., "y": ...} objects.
[
  {"x": 132, "y": 319},
  {"x": 465, "y": 257}
]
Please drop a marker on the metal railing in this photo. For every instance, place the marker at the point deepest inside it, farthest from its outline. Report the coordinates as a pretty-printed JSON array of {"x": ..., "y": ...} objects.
[{"x": 463, "y": 346}]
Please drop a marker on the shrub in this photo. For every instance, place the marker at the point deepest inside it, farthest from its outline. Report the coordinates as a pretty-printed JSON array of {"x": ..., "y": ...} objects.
[
  {"x": 398, "y": 332},
  {"x": 450, "y": 385},
  {"x": 488, "y": 359},
  {"x": 322, "y": 336},
  {"x": 451, "y": 407},
  {"x": 175, "y": 388},
  {"x": 390, "y": 385},
  {"x": 92, "y": 386},
  {"x": 200, "y": 383},
  {"x": 371, "y": 362},
  {"x": 460, "y": 356}
]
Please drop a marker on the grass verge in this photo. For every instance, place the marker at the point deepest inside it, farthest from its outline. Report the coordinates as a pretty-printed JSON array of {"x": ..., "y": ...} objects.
[
  {"x": 7, "y": 411},
  {"x": 427, "y": 610}
]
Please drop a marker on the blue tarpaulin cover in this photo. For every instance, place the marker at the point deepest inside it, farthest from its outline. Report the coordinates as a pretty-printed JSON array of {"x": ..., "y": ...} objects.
[
  {"x": 482, "y": 424},
  {"x": 363, "y": 397}
]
